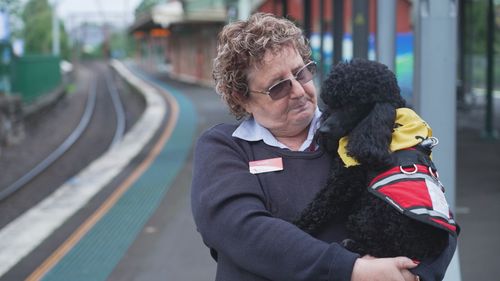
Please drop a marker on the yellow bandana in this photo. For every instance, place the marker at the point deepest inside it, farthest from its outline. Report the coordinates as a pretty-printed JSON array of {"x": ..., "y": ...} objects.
[{"x": 409, "y": 130}]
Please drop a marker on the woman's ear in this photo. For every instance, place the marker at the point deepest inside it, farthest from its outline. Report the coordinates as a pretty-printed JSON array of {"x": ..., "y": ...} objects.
[
  {"x": 369, "y": 141},
  {"x": 243, "y": 100}
]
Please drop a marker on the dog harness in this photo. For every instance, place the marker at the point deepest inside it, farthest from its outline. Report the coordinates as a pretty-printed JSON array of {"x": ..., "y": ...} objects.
[
  {"x": 412, "y": 186},
  {"x": 414, "y": 189}
]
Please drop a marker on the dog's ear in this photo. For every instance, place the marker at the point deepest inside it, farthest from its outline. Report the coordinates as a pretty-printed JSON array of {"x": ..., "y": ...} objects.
[{"x": 369, "y": 141}]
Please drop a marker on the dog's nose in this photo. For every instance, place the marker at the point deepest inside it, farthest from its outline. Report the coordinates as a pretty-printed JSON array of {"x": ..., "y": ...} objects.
[{"x": 325, "y": 128}]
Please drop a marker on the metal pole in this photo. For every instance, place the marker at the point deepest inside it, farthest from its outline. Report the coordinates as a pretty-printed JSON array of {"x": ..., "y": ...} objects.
[
  {"x": 435, "y": 57},
  {"x": 307, "y": 19},
  {"x": 55, "y": 31},
  {"x": 284, "y": 7},
  {"x": 462, "y": 35},
  {"x": 244, "y": 9},
  {"x": 386, "y": 33},
  {"x": 489, "y": 130},
  {"x": 338, "y": 30},
  {"x": 360, "y": 29},
  {"x": 321, "y": 39}
]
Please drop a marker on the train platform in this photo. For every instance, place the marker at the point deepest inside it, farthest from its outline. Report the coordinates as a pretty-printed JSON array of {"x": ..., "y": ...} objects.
[
  {"x": 140, "y": 228},
  {"x": 478, "y": 191}
]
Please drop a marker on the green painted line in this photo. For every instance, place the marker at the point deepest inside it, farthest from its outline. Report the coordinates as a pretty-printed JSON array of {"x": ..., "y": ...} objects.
[{"x": 96, "y": 255}]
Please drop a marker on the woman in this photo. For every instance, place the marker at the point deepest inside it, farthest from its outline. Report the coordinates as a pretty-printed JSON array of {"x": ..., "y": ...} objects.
[{"x": 250, "y": 180}]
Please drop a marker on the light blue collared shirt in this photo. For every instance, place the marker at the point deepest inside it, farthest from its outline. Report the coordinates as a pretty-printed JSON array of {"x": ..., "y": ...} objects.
[{"x": 250, "y": 130}]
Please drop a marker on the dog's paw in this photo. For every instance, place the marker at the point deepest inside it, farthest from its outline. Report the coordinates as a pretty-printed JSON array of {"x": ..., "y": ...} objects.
[
  {"x": 353, "y": 246},
  {"x": 349, "y": 244}
]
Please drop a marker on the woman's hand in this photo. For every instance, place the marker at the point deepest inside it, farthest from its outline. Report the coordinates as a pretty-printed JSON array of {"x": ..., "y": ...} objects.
[{"x": 384, "y": 269}]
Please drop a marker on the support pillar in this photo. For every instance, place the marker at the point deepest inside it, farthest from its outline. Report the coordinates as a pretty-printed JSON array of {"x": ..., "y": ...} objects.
[{"x": 435, "y": 62}]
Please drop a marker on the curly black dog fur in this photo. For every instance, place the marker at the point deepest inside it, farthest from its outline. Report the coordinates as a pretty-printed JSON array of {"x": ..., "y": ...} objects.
[{"x": 361, "y": 99}]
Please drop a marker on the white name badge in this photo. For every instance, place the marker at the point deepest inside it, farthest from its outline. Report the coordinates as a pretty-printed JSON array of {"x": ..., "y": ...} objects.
[{"x": 266, "y": 165}]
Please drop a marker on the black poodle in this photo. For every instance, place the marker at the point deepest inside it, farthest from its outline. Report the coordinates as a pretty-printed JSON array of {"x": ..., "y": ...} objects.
[{"x": 362, "y": 98}]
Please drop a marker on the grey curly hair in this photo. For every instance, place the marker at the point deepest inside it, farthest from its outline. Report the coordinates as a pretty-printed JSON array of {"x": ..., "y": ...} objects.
[{"x": 243, "y": 44}]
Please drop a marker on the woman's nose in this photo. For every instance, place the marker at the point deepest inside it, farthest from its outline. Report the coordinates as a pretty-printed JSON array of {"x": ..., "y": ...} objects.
[{"x": 297, "y": 89}]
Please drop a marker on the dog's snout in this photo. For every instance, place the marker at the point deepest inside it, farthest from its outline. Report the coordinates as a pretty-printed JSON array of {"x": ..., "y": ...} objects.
[{"x": 325, "y": 128}]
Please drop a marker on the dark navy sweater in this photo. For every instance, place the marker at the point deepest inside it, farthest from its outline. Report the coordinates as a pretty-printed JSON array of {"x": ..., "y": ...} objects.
[{"x": 246, "y": 218}]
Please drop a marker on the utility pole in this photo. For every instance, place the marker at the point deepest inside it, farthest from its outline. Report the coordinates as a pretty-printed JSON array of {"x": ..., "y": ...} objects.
[
  {"x": 489, "y": 130},
  {"x": 338, "y": 30},
  {"x": 284, "y": 8},
  {"x": 360, "y": 29},
  {"x": 244, "y": 9},
  {"x": 386, "y": 33},
  {"x": 321, "y": 39},
  {"x": 55, "y": 30},
  {"x": 307, "y": 19},
  {"x": 462, "y": 53}
]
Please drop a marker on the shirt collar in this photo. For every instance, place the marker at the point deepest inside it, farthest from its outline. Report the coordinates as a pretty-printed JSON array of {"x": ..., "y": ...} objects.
[{"x": 250, "y": 130}]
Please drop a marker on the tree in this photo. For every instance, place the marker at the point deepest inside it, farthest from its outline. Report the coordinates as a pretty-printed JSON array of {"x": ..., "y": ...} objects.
[
  {"x": 476, "y": 14},
  {"x": 121, "y": 45},
  {"x": 13, "y": 9},
  {"x": 37, "y": 17}
]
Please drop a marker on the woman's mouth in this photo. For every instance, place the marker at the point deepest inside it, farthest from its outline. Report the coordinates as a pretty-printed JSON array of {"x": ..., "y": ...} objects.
[{"x": 300, "y": 106}]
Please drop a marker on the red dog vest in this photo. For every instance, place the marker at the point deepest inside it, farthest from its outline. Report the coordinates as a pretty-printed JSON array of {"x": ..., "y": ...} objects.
[{"x": 414, "y": 189}]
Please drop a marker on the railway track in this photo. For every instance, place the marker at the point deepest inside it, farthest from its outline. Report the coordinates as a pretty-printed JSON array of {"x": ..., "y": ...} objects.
[{"x": 102, "y": 124}]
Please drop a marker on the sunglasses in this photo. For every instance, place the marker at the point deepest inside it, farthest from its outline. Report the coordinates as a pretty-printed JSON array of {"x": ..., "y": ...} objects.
[{"x": 281, "y": 88}]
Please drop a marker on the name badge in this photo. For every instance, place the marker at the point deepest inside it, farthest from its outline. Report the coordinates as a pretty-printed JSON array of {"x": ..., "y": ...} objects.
[{"x": 266, "y": 165}]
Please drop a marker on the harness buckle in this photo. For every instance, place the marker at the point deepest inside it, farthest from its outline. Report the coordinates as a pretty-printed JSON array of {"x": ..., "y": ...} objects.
[{"x": 415, "y": 169}]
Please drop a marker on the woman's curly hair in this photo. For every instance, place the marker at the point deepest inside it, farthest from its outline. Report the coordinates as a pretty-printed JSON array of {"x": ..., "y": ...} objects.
[{"x": 243, "y": 44}]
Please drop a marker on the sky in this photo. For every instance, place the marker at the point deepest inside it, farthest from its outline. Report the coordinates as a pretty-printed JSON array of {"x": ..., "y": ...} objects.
[{"x": 73, "y": 12}]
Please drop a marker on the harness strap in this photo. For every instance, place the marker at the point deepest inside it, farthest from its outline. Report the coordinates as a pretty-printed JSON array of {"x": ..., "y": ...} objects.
[{"x": 414, "y": 189}]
